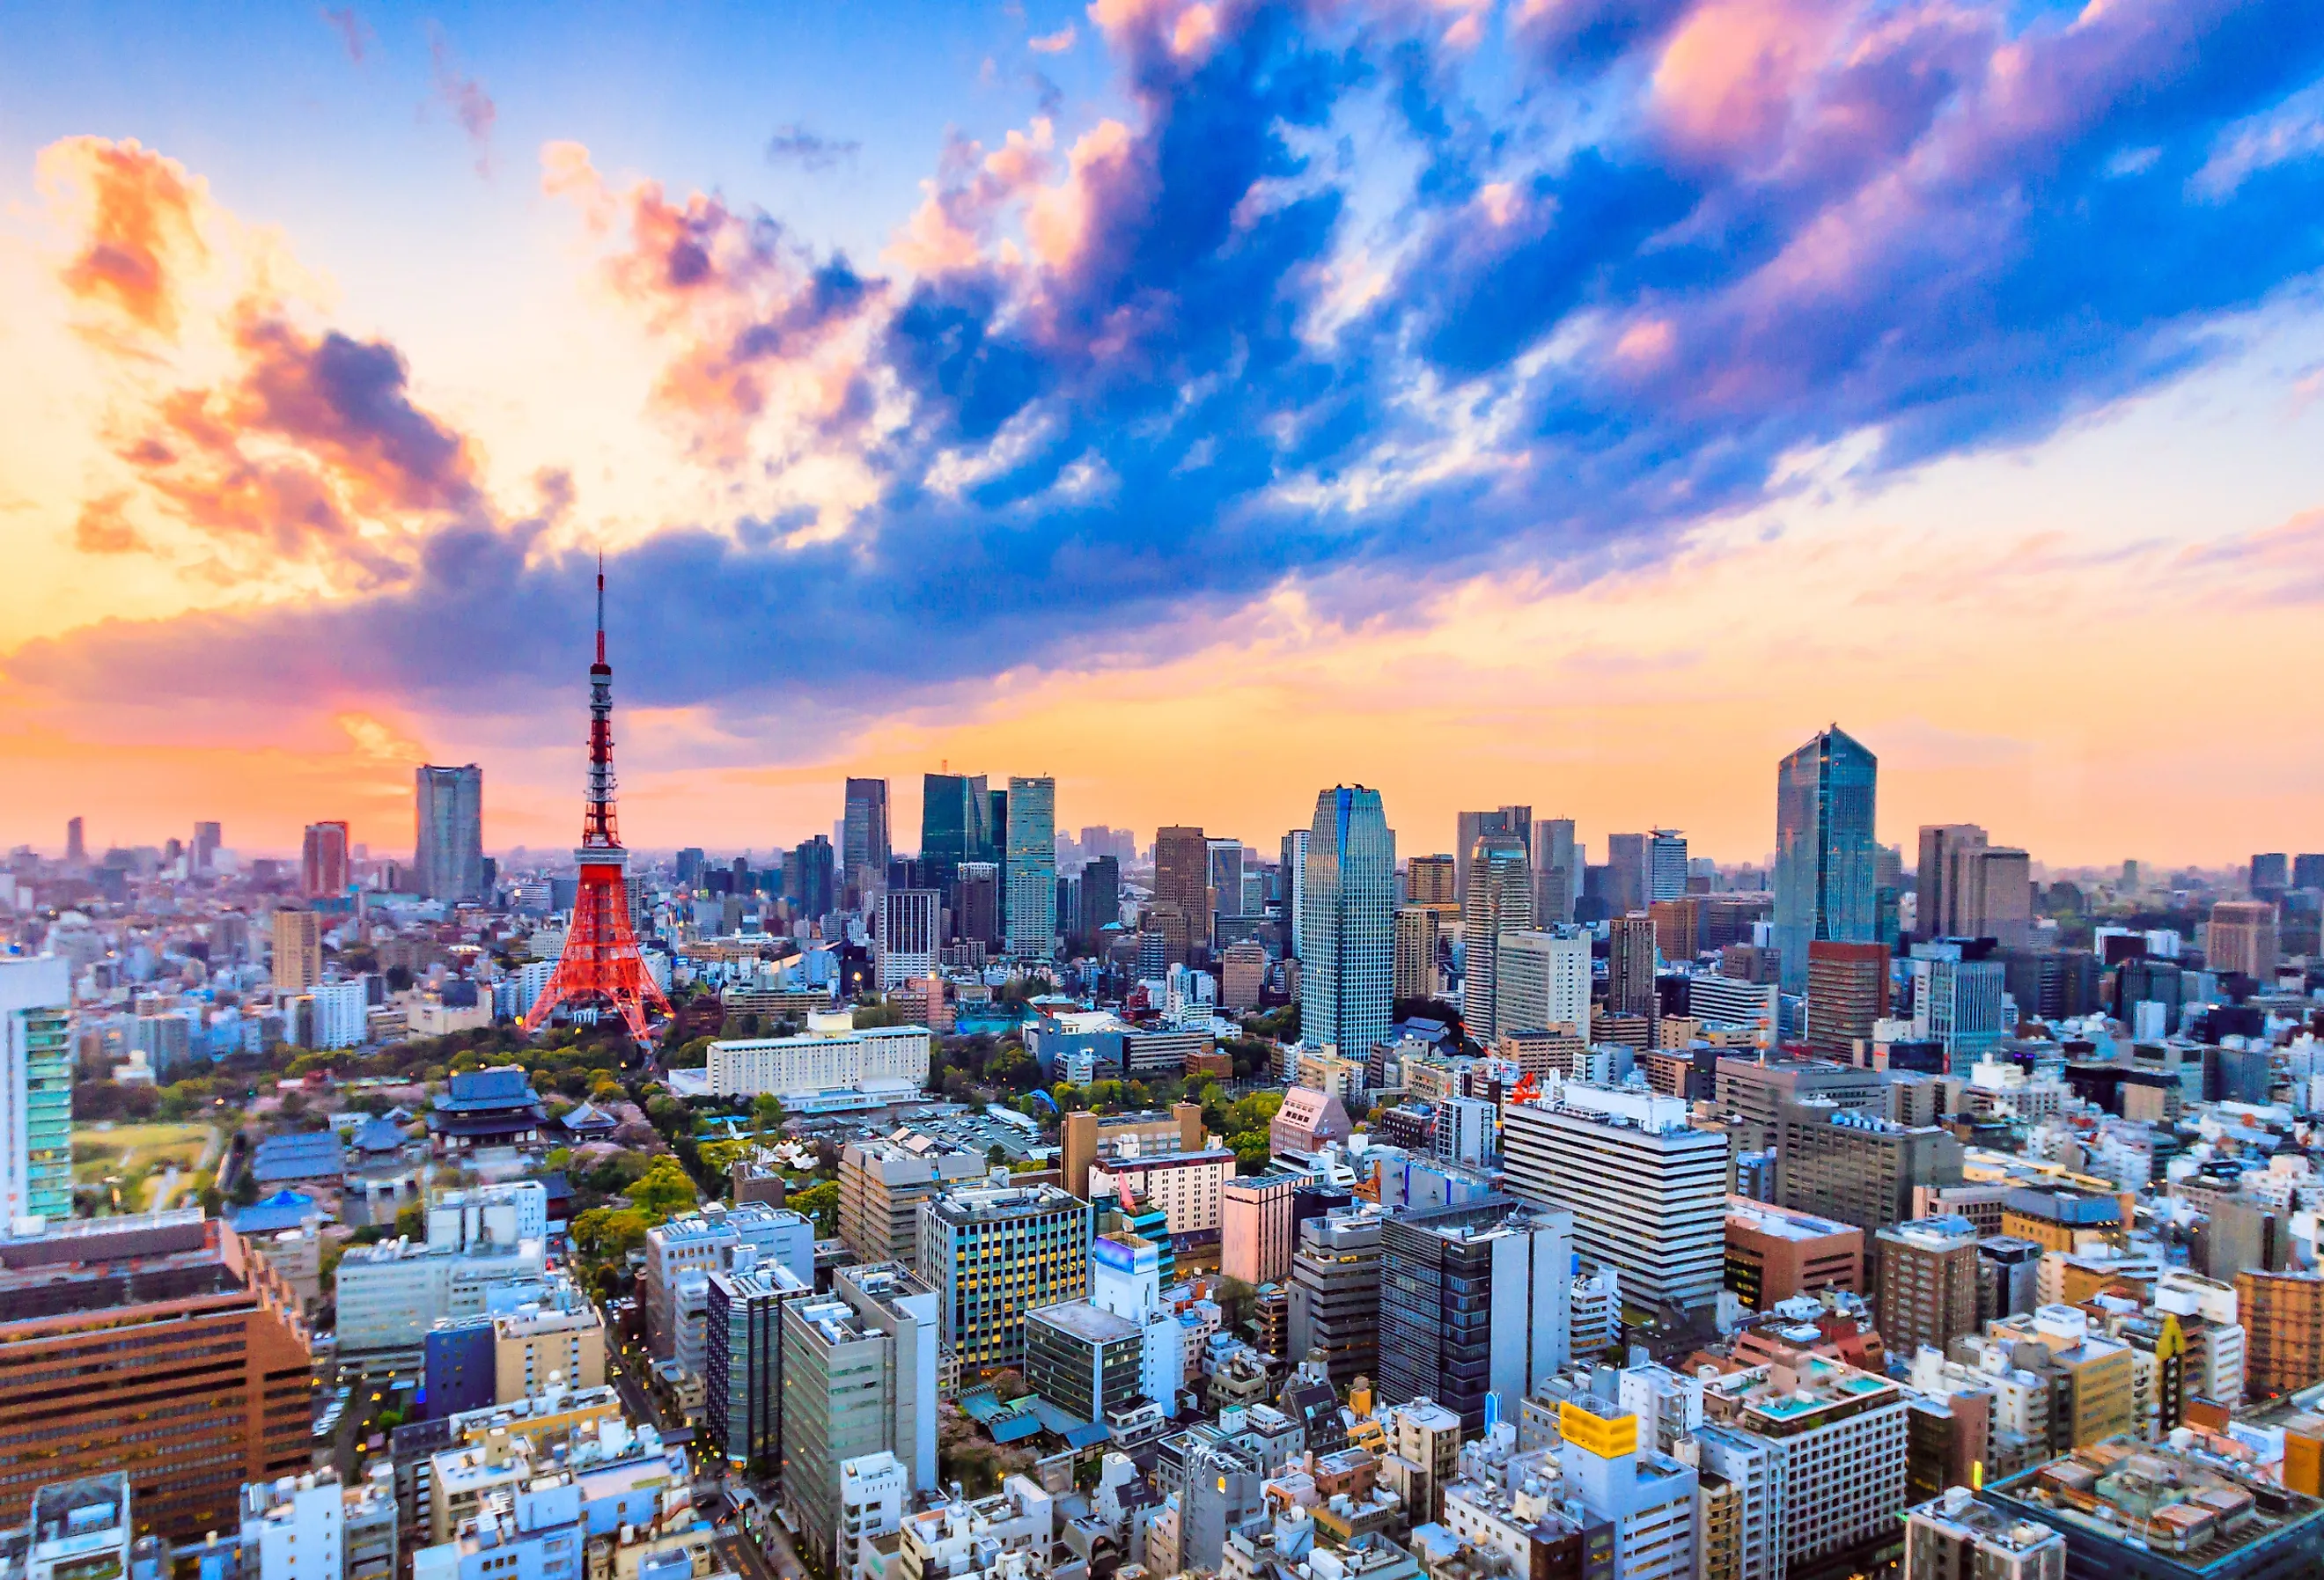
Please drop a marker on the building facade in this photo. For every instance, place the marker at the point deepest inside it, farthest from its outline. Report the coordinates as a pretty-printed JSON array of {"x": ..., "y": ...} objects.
[
  {"x": 1348, "y": 946},
  {"x": 449, "y": 861},
  {"x": 1826, "y": 858}
]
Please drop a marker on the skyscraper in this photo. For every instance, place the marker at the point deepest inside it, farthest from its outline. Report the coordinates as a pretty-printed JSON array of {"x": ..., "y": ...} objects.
[
  {"x": 1432, "y": 880},
  {"x": 1498, "y": 898},
  {"x": 1101, "y": 897},
  {"x": 1556, "y": 871},
  {"x": 1293, "y": 878},
  {"x": 298, "y": 950},
  {"x": 1468, "y": 826},
  {"x": 450, "y": 859},
  {"x": 1029, "y": 874},
  {"x": 1630, "y": 966},
  {"x": 1666, "y": 864},
  {"x": 1826, "y": 860},
  {"x": 1182, "y": 879},
  {"x": 1848, "y": 993},
  {"x": 1933, "y": 903},
  {"x": 323, "y": 860},
  {"x": 35, "y": 1089},
  {"x": 864, "y": 838},
  {"x": 1625, "y": 873},
  {"x": 208, "y": 839},
  {"x": 75, "y": 843},
  {"x": 956, "y": 824},
  {"x": 1969, "y": 888},
  {"x": 808, "y": 880},
  {"x": 1347, "y": 949}
]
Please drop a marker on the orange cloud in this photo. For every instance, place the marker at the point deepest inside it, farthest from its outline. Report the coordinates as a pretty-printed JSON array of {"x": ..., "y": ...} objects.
[{"x": 135, "y": 213}]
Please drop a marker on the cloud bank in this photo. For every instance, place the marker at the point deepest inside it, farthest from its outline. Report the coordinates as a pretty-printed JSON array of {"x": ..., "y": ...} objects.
[{"x": 1354, "y": 304}]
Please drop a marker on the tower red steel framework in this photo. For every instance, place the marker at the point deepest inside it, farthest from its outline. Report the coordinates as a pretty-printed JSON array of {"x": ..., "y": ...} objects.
[{"x": 601, "y": 965}]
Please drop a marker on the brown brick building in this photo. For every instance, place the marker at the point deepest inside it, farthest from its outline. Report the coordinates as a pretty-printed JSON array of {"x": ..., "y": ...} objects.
[
  {"x": 1773, "y": 1255},
  {"x": 2282, "y": 1315},
  {"x": 154, "y": 1346}
]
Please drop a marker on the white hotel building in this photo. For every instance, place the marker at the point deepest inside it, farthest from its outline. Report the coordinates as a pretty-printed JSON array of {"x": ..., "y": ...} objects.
[{"x": 832, "y": 1055}]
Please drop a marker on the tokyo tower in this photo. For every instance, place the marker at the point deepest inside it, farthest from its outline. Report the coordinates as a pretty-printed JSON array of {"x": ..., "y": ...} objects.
[{"x": 601, "y": 966}]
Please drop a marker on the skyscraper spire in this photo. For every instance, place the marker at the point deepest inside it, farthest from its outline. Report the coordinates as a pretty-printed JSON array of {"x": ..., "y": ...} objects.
[{"x": 600, "y": 967}]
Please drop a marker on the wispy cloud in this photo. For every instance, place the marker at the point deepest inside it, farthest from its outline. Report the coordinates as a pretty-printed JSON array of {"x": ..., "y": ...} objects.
[
  {"x": 1054, "y": 44},
  {"x": 353, "y": 35},
  {"x": 466, "y": 98},
  {"x": 793, "y": 143}
]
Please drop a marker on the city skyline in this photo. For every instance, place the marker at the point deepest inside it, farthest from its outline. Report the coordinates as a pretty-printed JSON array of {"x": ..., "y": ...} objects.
[{"x": 931, "y": 400}]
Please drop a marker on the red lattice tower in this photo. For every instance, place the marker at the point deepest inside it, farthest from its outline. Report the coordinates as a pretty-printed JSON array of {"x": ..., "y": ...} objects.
[{"x": 601, "y": 965}]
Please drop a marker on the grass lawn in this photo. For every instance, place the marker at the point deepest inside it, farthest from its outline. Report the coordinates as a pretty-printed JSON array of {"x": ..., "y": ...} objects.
[{"x": 142, "y": 1150}]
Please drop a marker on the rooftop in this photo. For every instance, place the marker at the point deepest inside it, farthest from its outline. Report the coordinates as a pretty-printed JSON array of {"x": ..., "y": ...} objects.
[
  {"x": 1777, "y": 1224},
  {"x": 2174, "y": 1504}
]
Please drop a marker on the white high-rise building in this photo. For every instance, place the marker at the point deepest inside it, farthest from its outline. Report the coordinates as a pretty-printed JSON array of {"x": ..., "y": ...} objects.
[
  {"x": 341, "y": 1011},
  {"x": 1541, "y": 979},
  {"x": 911, "y": 934},
  {"x": 1126, "y": 1279},
  {"x": 1648, "y": 1194},
  {"x": 35, "y": 1089},
  {"x": 1030, "y": 871},
  {"x": 1347, "y": 947},
  {"x": 294, "y": 1528}
]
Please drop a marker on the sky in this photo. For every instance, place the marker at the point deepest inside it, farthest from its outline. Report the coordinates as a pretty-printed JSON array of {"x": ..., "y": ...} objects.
[{"x": 1577, "y": 403}]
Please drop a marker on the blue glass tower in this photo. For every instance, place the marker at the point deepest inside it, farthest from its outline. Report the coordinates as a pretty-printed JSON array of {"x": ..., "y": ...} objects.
[
  {"x": 1826, "y": 865},
  {"x": 1347, "y": 931}
]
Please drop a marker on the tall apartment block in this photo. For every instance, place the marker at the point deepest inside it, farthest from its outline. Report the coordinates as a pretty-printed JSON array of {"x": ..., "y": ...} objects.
[
  {"x": 161, "y": 1318},
  {"x": 1648, "y": 1192},
  {"x": 35, "y": 1090},
  {"x": 1335, "y": 1292},
  {"x": 1928, "y": 1293},
  {"x": 1474, "y": 1301},
  {"x": 1848, "y": 994},
  {"x": 1836, "y": 1441},
  {"x": 883, "y": 1183},
  {"x": 298, "y": 951},
  {"x": 2283, "y": 1316},
  {"x": 993, "y": 1252}
]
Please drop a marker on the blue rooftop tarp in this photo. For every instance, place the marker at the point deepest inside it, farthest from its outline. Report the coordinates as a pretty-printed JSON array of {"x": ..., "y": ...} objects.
[
  {"x": 1076, "y": 1432},
  {"x": 285, "y": 1209}
]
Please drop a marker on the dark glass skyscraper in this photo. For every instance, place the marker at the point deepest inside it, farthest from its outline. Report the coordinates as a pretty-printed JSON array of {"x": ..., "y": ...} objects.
[
  {"x": 1827, "y": 863},
  {"x": 956, "y": 824},
  {"x": 450, "y": 856},
  {"x": 1347, "y": 944},
  {"x": 864, "y": 838}
]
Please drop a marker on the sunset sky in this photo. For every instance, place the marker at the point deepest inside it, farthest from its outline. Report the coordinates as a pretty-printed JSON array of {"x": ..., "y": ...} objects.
[{"x": 1569, "y": 402}]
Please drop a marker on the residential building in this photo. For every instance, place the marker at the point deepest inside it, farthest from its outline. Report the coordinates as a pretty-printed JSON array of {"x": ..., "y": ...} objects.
[
  {"x": 1187, "y": 1189},
  {"x": 1648, "y": 1192},
  {"x": 1956, "y": 1535},
  {"x": 1474, "y": 1301},
  {"x": 1632, "y": 961},
  {"x": 1542, "y": 983},
  {"x": 883, "y": 1180},
  {"x": 298, "y": 950},
  {"x": 1293, "y": 879},
  {"x": 907, "y": 935},
  {"x": 1496, "y": 897},
  {"x": 449, "y": 862},
  {"x": 1826, "y": 858},
  {"x": 1836, "y": 1442},
  {"x": 36, "y": 1073},
  {"x": 1257, "y": 1234},
  {"x": 79, "y": 1529},
  {"x": 1309, "y": 1119},
  {"x": 147, "y": 1313},
  {"x": 1647, "y": 1497},
  {"x": 1029, "y": 872},
  {"x": 563, "y": 1337},
  {"x": 323, "y": 871},
  {"x": 993, "y": 1252},
  {"x": 1347, "y": 947},
  {"x": 832, "y": 1055},
  {"x": 1416, "y": 951},
  {"x": 1928, "y": 1291},
  {"x": 2283, "y": 1316}
]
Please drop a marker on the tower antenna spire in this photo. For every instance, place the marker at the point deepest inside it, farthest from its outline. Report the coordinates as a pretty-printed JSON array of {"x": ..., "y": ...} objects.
[{"x": 602, "y": 967}]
